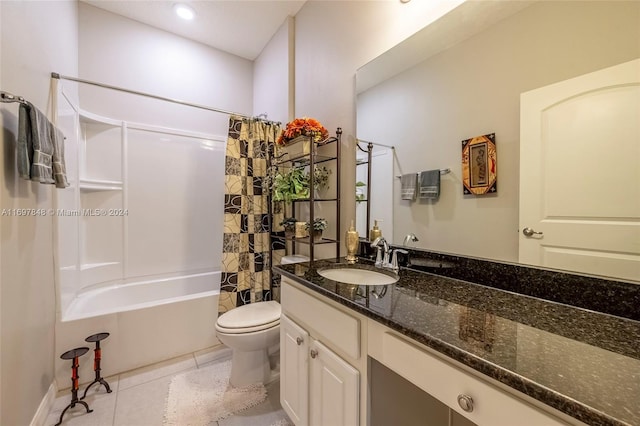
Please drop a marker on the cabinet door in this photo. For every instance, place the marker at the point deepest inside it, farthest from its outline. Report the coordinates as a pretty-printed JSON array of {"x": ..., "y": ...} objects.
[
  {"x": 334, "y": 389},
  {"x": 294, "y": 371}
]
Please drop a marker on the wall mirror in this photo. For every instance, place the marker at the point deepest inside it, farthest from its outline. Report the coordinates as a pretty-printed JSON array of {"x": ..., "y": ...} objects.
[{"x": 463, "y": 77}]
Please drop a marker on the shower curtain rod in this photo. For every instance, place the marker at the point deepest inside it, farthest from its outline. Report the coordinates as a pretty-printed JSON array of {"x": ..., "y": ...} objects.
[{"x": 161, "y": 98}]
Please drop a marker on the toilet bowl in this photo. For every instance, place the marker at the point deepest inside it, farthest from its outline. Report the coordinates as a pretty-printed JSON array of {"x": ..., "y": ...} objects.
[{"x": 250, "y": 330}]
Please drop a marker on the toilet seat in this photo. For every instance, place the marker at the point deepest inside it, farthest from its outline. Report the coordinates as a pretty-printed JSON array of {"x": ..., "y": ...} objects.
[{"x": 250, "y": 318}]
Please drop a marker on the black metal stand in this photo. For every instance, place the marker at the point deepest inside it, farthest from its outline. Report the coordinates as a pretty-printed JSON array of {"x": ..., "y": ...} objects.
[
  {"x": 74, "y": 354},
  {"x": 96, "y": 362}
]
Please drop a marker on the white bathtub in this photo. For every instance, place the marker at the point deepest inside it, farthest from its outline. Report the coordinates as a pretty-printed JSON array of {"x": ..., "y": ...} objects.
[
  {"x": 142, "y": 294},
  {"x": 148, "y": 321}
]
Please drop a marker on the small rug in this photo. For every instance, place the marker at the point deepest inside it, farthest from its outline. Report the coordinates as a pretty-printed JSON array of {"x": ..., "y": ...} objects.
[{"x": 203, "y": 396}]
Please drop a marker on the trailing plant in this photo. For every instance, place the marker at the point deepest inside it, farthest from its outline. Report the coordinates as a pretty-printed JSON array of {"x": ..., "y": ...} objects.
[
  {"x": 360, "y": 197},
  {"x": 290, "y": 185},
  {"x": 293, "y": 184},
  {"x": 321, "y": 177}
]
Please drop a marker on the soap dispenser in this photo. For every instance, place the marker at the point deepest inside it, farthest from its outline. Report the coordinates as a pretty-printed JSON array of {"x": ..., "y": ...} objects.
[
  {"x": 375, "y": 232},
  {"x": 352, "y": 239}
]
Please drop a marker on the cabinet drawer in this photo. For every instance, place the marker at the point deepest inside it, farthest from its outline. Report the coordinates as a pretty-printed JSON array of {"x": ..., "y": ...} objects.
[
  {"x": 443, "y": 381},
  {"x": 326, "y": 322}
]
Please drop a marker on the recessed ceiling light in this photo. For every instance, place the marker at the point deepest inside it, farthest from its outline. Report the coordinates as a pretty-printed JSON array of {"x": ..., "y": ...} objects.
[
  {"x": 184, "y": 11},
  {"x": 405, "y": 1}
]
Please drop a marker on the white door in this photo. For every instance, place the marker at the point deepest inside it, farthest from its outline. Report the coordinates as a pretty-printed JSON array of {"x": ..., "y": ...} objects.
[
  {"x": 580, "y": 174},
  {"x": 294, "y": 371},
  {"x": 334, "y": 389}
]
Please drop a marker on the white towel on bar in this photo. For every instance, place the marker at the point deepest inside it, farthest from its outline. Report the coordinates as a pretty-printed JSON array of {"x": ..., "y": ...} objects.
[
  {"x": 408, "y": 185},
  {"x": 430, "y": 185}
]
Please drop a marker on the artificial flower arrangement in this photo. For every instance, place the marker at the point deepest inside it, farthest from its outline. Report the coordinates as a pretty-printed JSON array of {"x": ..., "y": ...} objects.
[{"x": 303, "y": 127}]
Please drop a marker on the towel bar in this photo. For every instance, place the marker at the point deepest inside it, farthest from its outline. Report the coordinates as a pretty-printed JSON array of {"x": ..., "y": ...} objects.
[
  {"x": 442, "y": 172},
  {"x": 7, "y": 97}
]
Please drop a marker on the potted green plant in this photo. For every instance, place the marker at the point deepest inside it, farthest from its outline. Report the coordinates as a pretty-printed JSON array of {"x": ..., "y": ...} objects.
[
  {"x": 319, "y": 225},
  {"x": 289, "y": 225},
  {"x": 290, "y": 185}
]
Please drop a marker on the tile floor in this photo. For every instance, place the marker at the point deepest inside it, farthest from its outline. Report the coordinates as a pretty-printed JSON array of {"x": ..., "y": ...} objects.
[{"x": 138, "y": 397}]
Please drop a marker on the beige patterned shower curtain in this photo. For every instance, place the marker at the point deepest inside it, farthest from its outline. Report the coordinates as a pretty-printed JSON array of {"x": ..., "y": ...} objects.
[{"x": 246, "y": 275}]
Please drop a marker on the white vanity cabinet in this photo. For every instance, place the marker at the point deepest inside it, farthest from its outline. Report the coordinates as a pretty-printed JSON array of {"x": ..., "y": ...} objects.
[
  {"x": 324, "y": 372},
  {"x": 317, "y": 385}
]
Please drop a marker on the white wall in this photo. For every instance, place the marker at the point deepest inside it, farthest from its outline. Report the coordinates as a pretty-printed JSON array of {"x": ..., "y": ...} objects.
[
  {"x": 125, "y": 53},
  {"x": 36, "y": 38},
  {"x": 473, "y": 89},
  {"x": 273, "y": 76}
]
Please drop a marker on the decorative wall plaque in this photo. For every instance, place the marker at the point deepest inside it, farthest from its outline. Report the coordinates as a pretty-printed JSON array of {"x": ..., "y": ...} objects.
[{"x": 480, "y": 165}]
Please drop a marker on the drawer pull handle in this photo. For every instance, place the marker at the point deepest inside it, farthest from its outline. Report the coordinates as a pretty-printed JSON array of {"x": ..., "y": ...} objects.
[
  {"x": 299, "y": 340},
  {"x": 313, "y": 353},
  {"x": 465, "y": 402}
]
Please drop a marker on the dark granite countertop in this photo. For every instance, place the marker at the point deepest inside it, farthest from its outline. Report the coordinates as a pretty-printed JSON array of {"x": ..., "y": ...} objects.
[{"x": 581, "y": 362}]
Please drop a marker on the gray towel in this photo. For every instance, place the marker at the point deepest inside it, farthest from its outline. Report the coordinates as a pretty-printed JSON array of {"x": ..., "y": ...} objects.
[
  {"x": 59, "y": 168},
  {"x": 408, "y": 184},
  {"x": 40, "y": 148},
  {"x": 24, "y": 145},
  {"x": 430, "y": 185}
]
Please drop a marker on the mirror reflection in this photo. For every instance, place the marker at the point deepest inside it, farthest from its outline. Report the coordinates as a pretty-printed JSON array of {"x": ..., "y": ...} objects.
[
  {"x": 474, "y": 88},
  {"x": 374, "y": 188}
]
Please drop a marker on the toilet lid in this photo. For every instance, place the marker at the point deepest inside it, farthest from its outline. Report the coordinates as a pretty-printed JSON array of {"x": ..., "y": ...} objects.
[
  {"x": 251, "y": 315},
  {"x": 247, "y": 330}
]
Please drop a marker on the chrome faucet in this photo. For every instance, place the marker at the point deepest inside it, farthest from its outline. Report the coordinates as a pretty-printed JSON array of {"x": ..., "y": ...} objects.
[
  {"x": 410, "y": 238},
  {"x": 382, "y": 255}
]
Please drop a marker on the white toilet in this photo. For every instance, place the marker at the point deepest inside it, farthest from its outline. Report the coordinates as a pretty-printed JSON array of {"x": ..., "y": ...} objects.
[{"x": 250, "y": 330}]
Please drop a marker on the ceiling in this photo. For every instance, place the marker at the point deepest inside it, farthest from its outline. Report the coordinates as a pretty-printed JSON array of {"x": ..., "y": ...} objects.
[{"x": 240, "y": 27}]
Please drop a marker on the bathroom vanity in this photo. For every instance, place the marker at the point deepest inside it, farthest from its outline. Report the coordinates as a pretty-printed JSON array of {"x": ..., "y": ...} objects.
[{"x": 483, "y": 355}]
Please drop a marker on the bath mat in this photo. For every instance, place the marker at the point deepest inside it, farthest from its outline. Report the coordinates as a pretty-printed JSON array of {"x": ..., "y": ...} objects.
[{"x": 203, "y": 396}]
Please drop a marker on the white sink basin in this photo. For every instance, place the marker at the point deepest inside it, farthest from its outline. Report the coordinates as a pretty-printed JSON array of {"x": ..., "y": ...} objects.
[{"x": 357, "y": 276}]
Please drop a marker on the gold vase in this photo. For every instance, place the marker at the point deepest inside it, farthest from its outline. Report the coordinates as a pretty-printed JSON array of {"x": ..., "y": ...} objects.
[{"x": 352, "y": 239}]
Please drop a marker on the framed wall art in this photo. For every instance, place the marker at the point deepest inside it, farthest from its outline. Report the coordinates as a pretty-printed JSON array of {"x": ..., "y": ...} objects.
[{"x": 479, "y": 165}]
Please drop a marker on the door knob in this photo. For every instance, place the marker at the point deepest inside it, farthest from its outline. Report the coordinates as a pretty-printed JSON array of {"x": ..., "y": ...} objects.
[
  {"x": 299, "y": 340},
  {"x": 529, "y": 232}
]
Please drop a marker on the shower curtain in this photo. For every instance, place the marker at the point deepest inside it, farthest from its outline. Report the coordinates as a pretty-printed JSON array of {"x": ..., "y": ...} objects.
[{"x": 246, "y": 276}]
